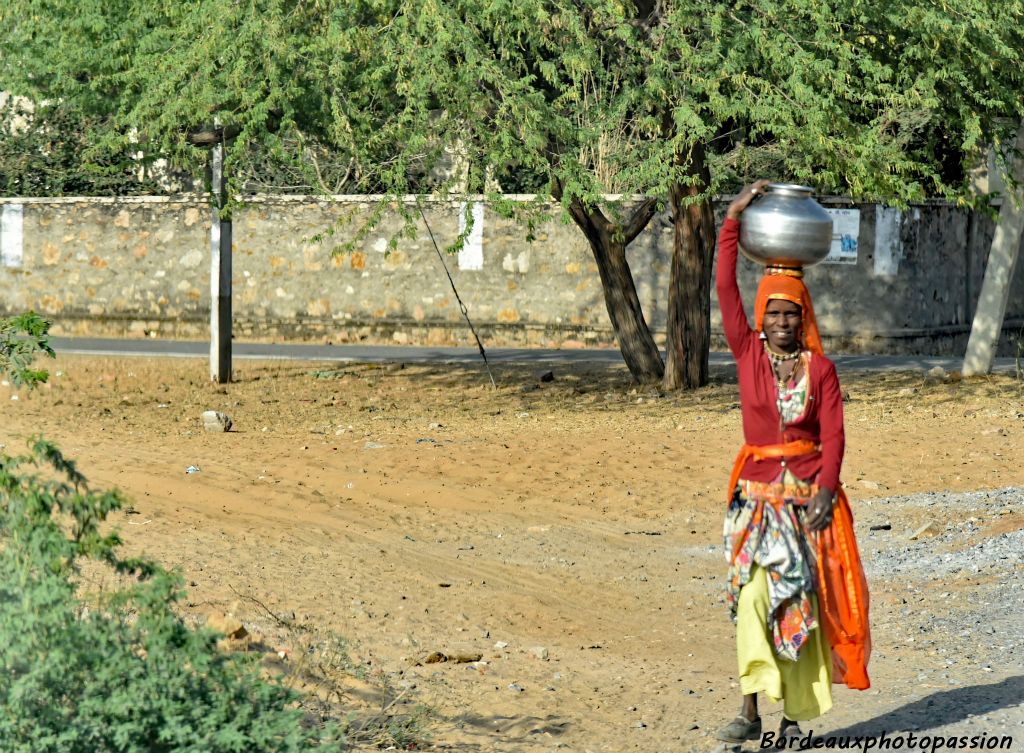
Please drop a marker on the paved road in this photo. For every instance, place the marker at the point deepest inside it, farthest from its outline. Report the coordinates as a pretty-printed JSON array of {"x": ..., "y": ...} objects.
[{"x": 410, "y": 354}]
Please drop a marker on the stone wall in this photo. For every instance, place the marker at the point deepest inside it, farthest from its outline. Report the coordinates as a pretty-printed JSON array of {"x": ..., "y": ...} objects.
[{"x": 140, "y": 267}]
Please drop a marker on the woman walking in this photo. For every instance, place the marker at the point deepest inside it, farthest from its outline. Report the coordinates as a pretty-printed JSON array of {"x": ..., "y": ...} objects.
[{"x": 796, "y": 588}]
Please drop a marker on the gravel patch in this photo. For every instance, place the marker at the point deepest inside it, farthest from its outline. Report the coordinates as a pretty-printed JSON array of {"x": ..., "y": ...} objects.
[
  {"x": 920, "y": 559},
  {"x": 993, "y": 500},
  {"x": 943, "y": 550}
]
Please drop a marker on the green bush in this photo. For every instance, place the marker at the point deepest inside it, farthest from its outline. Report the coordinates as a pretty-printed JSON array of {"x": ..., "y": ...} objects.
[
  {"x": 22, "y": 338},
  {"x": 114, "y": 671}
]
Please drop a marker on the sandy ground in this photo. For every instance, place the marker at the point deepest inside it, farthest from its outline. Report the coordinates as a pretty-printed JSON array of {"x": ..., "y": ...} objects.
[{"x": 567, "y": 531}]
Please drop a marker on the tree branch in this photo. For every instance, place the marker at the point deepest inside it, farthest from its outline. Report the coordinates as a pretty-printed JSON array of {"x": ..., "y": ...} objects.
[{"x": 639, "y": 219}]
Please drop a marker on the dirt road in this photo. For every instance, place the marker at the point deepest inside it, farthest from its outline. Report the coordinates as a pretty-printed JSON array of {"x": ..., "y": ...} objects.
[{"x": 568, "y": 531}]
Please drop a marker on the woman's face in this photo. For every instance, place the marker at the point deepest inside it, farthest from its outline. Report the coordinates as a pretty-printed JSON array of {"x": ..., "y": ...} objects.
[{"x": 782, "y": 325}]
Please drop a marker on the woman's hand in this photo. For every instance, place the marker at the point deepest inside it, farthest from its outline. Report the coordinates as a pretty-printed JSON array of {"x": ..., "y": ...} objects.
[
  {"x": 744, "y": 197},
  {"x": 819, "y": 511}
]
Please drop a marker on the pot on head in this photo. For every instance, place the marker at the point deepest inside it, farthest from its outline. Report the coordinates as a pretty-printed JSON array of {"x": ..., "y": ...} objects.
[{"x": 785, "y": 227}]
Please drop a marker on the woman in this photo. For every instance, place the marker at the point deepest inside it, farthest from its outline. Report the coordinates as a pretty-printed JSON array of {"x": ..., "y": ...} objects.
[{"x": 796, "y": 587}]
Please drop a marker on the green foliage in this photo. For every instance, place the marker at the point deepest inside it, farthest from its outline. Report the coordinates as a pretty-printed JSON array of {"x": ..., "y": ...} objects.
[
  {"x": 156, "y": 71},
  {"x": 115, "y": 671},
  {"x": 610, "y": 97},
  {"x": 22, "y": 339},
  {"x": 42, "y": 148},
  {"x": 874, "y": 98}
]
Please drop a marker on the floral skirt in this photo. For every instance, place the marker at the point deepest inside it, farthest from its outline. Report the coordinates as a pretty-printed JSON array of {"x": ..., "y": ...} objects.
[{"x": 764, "y": 526}]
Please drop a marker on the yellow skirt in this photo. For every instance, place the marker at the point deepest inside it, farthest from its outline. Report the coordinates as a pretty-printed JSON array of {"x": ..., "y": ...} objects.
[{"x": 804, "y": 686}]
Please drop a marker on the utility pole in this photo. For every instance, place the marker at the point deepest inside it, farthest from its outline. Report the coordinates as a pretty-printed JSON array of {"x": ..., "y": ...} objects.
[
  {"x": 220, "y": 269},
  {"x": 1002, "y": 258}
]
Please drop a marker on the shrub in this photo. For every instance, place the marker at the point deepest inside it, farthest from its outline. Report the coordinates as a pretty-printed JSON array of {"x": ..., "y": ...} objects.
[
  {"x": 117, "y": 671},
  {"x": 22, "y": 338}
]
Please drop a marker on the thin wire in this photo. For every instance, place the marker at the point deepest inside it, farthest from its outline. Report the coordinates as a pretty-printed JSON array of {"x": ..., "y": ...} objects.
[{"x": 462, "y": 306}]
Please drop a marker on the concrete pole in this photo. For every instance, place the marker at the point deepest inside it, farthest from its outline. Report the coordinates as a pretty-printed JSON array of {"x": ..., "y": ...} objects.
[
  {"x": 220, "y": 273},
  {"x": 995, "y": 289}
]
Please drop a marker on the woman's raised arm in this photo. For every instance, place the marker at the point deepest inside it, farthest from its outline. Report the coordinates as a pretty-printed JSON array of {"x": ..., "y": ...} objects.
[{"x": 734, "y": 318}]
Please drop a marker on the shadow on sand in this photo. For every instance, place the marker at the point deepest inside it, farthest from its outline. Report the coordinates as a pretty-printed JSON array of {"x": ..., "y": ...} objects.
[{"x": 942, "y": 708}]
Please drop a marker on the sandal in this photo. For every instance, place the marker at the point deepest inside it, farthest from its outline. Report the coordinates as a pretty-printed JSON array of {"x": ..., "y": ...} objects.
[
  {"x": 740, "y": 730},
  {"x": 789, "y": 730}
]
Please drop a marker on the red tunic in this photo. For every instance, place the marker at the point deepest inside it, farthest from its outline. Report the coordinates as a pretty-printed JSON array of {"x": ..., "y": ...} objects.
[{"x": 822, "y": 421}]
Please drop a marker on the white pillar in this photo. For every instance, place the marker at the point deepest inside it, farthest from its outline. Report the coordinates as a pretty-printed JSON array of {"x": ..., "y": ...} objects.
[
  {"x": 220, "y": 273},
  {"x": 995, "y": 289}
]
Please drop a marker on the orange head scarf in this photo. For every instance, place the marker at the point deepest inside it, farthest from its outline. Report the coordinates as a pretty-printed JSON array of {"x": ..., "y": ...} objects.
[{"x": 783, "y": 285}]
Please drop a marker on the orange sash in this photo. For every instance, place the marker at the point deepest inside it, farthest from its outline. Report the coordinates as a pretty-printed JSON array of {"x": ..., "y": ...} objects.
[{"x": 842, "y": 587}]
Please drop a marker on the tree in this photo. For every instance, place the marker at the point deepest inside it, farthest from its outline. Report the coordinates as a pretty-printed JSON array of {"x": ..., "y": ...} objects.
[
  {"x": 662, "y": 102},
  {"x": 40, "y": 154},
  {"x": 987, "y": 327},
  {"x": 674, "y": 101},
  {"x": 156, "y": 76}
]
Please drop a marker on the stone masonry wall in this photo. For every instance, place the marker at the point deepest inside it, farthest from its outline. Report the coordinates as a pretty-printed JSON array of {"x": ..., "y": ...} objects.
[{"x": 140, "y": 267}]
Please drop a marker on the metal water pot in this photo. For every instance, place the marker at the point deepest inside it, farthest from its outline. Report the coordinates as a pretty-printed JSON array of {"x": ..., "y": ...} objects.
[{"x": 785, "y": 227}]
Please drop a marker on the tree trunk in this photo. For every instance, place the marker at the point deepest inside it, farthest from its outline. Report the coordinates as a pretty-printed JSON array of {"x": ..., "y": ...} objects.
[
  {"x": 990, "y": 314},
  {"x": 689, "y": 295},
  {"x": 608, "y": 243}
]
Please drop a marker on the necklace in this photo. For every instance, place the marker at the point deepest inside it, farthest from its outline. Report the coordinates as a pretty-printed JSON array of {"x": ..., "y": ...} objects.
[
  {"x": 780, "y": 357},
  {"x": 784, "y": 383}
]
